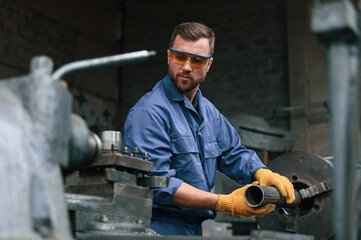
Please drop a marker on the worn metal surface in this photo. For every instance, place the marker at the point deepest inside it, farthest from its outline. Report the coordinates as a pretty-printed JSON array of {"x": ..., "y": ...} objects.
[
  {"x": 335, "y": 20},
  {"x": 272, "y": 235},
  {"x": 337, "y": 24},
  {"x": 34, "y": 130},
  {"x": 39, "y": 138},
  {"x": 119, "y": 209},
  {"x": 99, "y": 189},
  {"x": 108, "y": 199},
  {"x": 123, "y": 161},
  {"x": 153, "y": 181},
  {"x": 109, "y": 215},
  {"x": 95, "y": 236},
  {"x": 113, "y": 175},
  {"x": 114, "y": 198},
  {"x": 255, "y": 235},
  {"x": 313, "y": 216}
]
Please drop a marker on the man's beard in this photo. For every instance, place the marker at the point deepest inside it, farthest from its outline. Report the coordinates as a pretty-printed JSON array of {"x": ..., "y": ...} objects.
[{"x": 189, "y": 86}]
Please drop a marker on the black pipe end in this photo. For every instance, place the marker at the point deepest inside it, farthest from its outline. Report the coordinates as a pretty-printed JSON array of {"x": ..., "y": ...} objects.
[{"x": 254, "y": 196}]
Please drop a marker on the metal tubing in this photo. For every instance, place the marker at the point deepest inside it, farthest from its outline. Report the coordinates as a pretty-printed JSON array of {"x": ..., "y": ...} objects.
[
  {"x": 115, "y": 60},
  {"x": 258, "y": 196}
]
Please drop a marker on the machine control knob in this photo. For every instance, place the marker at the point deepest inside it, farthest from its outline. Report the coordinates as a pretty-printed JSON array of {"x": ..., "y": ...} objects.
[
  {"x": 145, "y": 156},
  {"x": 125, "y": 150},
  {"x": 135, "y": 152}
]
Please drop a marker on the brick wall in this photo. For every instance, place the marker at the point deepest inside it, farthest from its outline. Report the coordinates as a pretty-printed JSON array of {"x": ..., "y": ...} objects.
[
  {"x": 308, "y": 81},
  {"x": 65, "y": 31},
  {"x": 25, "y": 33},
  {"x": 249, "y": 72}
]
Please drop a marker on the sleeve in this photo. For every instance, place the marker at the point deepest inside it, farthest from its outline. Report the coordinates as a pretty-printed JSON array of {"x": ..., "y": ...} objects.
[
  {"x": 237, "y": 162},
  {"x": 146, "y": 130}
]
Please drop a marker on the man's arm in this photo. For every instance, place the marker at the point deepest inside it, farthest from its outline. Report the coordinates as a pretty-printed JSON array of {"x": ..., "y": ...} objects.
[
  {"x": 189, "y": 196},
  {"x": 243, "y": 165},
  {"x": 234, "y": 203}
]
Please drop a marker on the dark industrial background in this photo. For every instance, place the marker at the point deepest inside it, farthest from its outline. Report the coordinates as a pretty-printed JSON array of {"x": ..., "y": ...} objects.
[{"x": 265, "y": 56}]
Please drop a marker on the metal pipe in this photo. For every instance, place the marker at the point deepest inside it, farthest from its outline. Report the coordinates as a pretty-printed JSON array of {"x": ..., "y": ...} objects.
[
  {"x": 115, "y": 60},
  {"x": 258, "y": 196}
]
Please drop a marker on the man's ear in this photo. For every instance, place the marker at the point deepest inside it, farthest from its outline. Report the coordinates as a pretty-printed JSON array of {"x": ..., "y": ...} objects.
[
  {"x": 168, "y": 55},
  {"x": 209, "y": 63}
]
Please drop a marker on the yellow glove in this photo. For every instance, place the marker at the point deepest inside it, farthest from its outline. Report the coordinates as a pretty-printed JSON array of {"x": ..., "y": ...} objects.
[
  {"x": 235, "y": 203},
  {"x": 266, "y": 178}
]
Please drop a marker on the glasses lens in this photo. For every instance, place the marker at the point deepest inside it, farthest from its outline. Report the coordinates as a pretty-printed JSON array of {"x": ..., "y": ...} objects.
[
  {"x": 181, "y": 58},
  {"x": 198, "y": 61}
]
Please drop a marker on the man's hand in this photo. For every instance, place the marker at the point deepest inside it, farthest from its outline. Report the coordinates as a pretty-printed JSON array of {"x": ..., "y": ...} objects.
[
  {"x": 266, "y": 177},
  {"x": 235, "y": 204}
]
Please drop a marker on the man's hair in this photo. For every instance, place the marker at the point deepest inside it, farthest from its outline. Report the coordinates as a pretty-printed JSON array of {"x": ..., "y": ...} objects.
[{"x": 193, "y": 31}]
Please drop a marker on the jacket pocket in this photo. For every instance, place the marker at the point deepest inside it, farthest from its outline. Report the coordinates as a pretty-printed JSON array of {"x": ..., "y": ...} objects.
[
  {"x": 184, "y": 144},
  {"x": 186, "y": 162},
  {"x": 211, "y": 155},
  {"x": 211, "y": 150}
]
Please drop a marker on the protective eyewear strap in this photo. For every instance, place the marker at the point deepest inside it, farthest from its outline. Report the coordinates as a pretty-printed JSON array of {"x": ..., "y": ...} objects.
[{"x": 188, "y": 53}]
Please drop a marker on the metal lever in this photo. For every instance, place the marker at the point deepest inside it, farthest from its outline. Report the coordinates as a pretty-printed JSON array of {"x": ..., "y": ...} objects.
[
  {"x": 316, "y": 189},
  {"x": 115, "y": 60}
]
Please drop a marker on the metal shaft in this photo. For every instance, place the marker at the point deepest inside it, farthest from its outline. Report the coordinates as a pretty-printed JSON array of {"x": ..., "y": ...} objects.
[
  {"x": 337, "y": 23},
  {"x": 343, "y": 128},
  {"x": 115, "y": 60},
  {"x": 257, "y": 196}
]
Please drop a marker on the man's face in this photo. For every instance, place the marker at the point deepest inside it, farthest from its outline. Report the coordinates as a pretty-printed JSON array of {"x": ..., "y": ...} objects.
[{"x": 185, "y": 77}]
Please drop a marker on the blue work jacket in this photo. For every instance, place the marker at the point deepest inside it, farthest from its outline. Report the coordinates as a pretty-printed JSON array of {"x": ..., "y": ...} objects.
[{"x": 187, "y": 145}]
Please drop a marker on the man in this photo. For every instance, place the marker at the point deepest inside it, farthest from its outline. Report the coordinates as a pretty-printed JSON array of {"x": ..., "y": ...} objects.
[{"x": 188, "y": 139}]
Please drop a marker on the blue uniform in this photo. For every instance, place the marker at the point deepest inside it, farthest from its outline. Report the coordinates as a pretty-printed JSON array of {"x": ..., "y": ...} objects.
[{"x": 189, "y": 146}]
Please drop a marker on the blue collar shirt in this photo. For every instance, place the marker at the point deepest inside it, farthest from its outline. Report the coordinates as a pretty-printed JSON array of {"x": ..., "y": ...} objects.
[{"x": 186, "y": 145}]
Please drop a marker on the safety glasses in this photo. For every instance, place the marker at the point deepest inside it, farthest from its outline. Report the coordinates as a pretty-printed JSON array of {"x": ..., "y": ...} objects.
[{"x": 181, "y": 58}]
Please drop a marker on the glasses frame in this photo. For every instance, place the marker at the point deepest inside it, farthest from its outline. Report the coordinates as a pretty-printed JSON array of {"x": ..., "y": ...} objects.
[
  {"x": 192, "y": 57},
  {"x": 193, "y": 54}
]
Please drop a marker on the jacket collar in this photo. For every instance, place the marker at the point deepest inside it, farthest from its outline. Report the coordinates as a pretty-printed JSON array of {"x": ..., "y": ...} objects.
[
  {"x": 171, "y": 90},
  {"x": 174, "y": 93}
]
